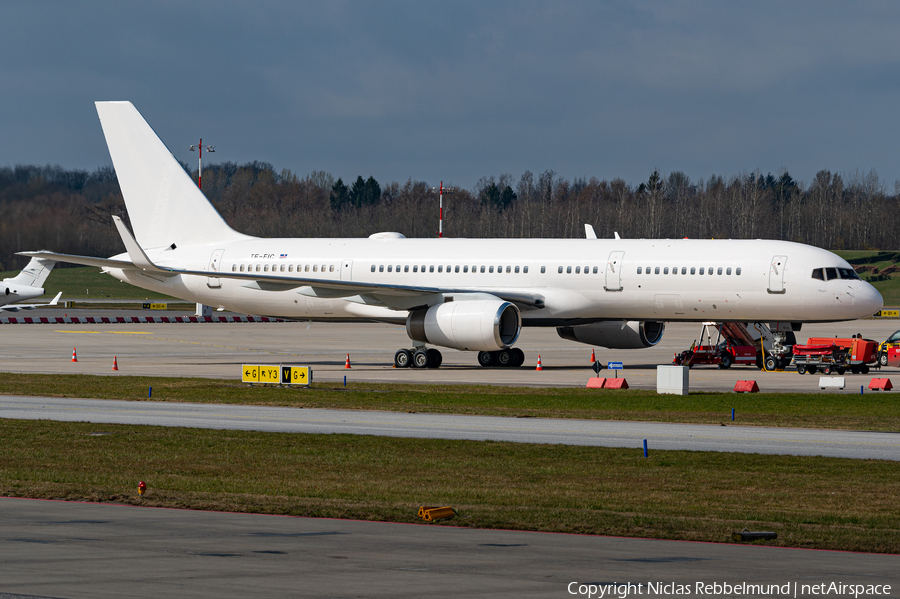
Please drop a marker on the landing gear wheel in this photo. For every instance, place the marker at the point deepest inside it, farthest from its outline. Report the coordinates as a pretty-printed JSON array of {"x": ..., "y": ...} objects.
[
  {"x": 725, "y": 361},
  {"x": 485, "y": 359},
  {"x": 503, "y": 358},
  {"x": 883, "y": 359},
  {"x": 435, "y": 359},
  {"x": 801, "y": 369},
  {"x": 421, "y": 359},
  {"x": 518, "y": 357},
  {"x": 402, "y": 358},
  {"x": 771, "y": 363}
]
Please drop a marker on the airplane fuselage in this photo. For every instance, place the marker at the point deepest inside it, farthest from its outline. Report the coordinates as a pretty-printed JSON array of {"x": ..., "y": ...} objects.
[{"x": 580, "y": 280}]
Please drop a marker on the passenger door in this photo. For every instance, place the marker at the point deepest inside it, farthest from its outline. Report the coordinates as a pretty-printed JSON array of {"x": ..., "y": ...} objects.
[
  {"x": 215, "y": 265},
  {"x": 614, "y": 271},
  {"x": 776, "y": 274}
]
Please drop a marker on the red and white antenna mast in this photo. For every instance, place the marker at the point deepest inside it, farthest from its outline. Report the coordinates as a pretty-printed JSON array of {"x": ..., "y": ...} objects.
[
  {"x": 199, "y": 147},
  {"x": 441, "y": 192}
]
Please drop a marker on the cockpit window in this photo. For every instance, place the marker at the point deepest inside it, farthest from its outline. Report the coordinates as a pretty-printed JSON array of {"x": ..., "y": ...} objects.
[
  {"x": 831, "y": 273},
  {"x": 818, "y": 273},
  {"x": 848, "y": 273}
]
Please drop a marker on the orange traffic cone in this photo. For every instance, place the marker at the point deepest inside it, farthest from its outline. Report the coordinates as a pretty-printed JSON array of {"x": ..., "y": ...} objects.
[
  {"x": 115, "y": 363},
  {"x": 539, "y": 367},
  {"x": 74, "y": 355},
  {"x": 593, "y": 359},
  {"x": 347, "y": 363}
]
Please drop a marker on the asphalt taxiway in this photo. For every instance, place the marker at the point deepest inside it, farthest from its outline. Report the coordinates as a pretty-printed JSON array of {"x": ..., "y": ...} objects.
[
  {"x": 566, "y": 431},
  {"x": 65, "y": 549}
]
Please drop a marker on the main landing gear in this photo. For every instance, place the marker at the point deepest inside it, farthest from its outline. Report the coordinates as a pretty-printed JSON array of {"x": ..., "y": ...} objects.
[
  {"x": 505, "y": 358},
  {"x": 421, "y": 357},
  {"x": 418, "y": 358}
]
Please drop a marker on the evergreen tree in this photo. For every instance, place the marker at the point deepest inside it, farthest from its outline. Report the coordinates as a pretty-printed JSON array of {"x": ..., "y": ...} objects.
[{"x": 340, "y": 196}]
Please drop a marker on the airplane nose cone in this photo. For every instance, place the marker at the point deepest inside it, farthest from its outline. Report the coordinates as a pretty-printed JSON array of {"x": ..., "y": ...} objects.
[{"x": 867, "y": 300}]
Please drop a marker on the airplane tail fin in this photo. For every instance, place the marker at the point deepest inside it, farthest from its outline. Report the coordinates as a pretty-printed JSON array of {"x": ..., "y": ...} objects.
[
  {"x": 164, "y": 205},
  {"x": 35, "y": 273}
]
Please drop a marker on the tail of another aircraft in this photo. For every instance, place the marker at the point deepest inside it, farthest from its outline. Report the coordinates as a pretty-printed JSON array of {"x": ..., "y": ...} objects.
[
  {"x": 34, "y": 274},
  {"x": 164, "y": 205}
]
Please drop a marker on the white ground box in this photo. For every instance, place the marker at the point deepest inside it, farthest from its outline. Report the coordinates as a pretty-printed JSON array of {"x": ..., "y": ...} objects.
[
  {"x": 672, "y": 380},
  {"x": 831, "y": 382}
]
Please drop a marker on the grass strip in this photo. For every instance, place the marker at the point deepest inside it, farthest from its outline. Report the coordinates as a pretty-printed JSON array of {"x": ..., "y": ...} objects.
[
  {"x": 814, "y": 502},
  {"x": 871, "y": 411}
]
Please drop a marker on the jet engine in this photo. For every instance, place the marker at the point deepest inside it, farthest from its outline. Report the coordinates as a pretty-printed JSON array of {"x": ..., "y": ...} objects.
[
  {"x": 482, "y": 325},
  {"x": 616, "y": 334}
]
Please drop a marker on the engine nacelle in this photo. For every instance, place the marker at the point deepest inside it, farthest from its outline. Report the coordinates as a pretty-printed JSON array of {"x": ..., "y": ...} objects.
[
  {"x": 482, "y": 325},
  {"x": 615, "y": 334}
]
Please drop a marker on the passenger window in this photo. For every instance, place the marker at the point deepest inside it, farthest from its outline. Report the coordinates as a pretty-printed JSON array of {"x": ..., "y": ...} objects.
[
  {"x": 482, "y": 268},
  {"x": 595, "y": 270},
  {"x": 684, "y": 270},
  {"x": 466, "y": 268},
  {"x": 406, "y": 268},
  {"x": 242, "y": 268},
  {"x": 491, "y": 269},
  {"x": 266, "y": 268},
  {"x": 525, "y": 269},
  {"x": 639, "y": 270},
  {"x": 380, "y": 268},
  {"x": 656, "y": 270},
  {"x": 710, "y": 271},
  {"x": 323, "y": 268},
  {"x": 456, "y": 269},
  {"x": 737, "y": 271},
  {"x": 543, "y": 269},
  {"x": 587, "y": 269},
  {"x": 831, "y": 273},
  {"x": 517, "y": 269},
  {"x": 508, "y": 269},
  {"x": 290, "y": 268},
  {"x": 720, "y": 270},
  {"x": 431, "y": 268},
  {"x": 694, "y": 270},
  {"x": 441, "y": 268},
  {"x": 728, "y": 271},
  {"x": 702, "y": 270},
  {"x": 373, "y": 268},
  {"x": 560, "y": 270},
  {"x": 316, "y": 268},
  {"x": 577, "y": 270},
  {"x": 568, "y": 270},
  {"x": 415, "y": 268},
  {"x": 666, "y": 270}
]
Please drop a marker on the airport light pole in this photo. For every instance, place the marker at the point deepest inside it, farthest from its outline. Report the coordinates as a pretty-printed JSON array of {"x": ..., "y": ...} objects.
[
  {"x": 199, "y": 147},
  {"x": 441, "y": 191}
]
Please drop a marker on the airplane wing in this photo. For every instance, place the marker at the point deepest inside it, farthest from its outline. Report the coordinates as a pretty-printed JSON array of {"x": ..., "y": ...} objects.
[{"x": 17, "y": 307}]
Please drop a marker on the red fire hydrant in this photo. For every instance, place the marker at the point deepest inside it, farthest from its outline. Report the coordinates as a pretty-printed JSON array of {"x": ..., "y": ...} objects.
[{"x": 142, "y": 488}]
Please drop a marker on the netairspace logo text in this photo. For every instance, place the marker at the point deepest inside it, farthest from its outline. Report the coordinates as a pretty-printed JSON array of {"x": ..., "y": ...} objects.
[{"x": 665, "y": 589}]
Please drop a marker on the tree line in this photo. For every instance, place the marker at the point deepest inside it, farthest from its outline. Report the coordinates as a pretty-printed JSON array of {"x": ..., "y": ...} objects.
[{"x": 48, "y": 207}]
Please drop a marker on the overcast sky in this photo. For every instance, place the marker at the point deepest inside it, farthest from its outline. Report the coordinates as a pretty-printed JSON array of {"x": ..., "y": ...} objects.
[{"x": 460, "y": 90}]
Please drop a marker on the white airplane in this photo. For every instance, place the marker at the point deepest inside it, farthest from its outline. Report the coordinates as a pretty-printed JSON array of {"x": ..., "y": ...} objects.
[
  {"x": 27, "y": 285},
  {"x": 466, "y": 294}
]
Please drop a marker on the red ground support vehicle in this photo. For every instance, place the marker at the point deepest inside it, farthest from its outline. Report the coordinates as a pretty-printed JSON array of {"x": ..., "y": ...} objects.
[
  {"x": 729, "y": 348},
  {"x": 827, "y": 355}
]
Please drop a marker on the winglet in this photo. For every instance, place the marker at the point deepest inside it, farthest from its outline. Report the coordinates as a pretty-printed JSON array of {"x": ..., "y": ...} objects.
[
  {"x": 55, "y": 300},
  {"x": 137, "y": 255},
  {"x": 589, "y": 232}
]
